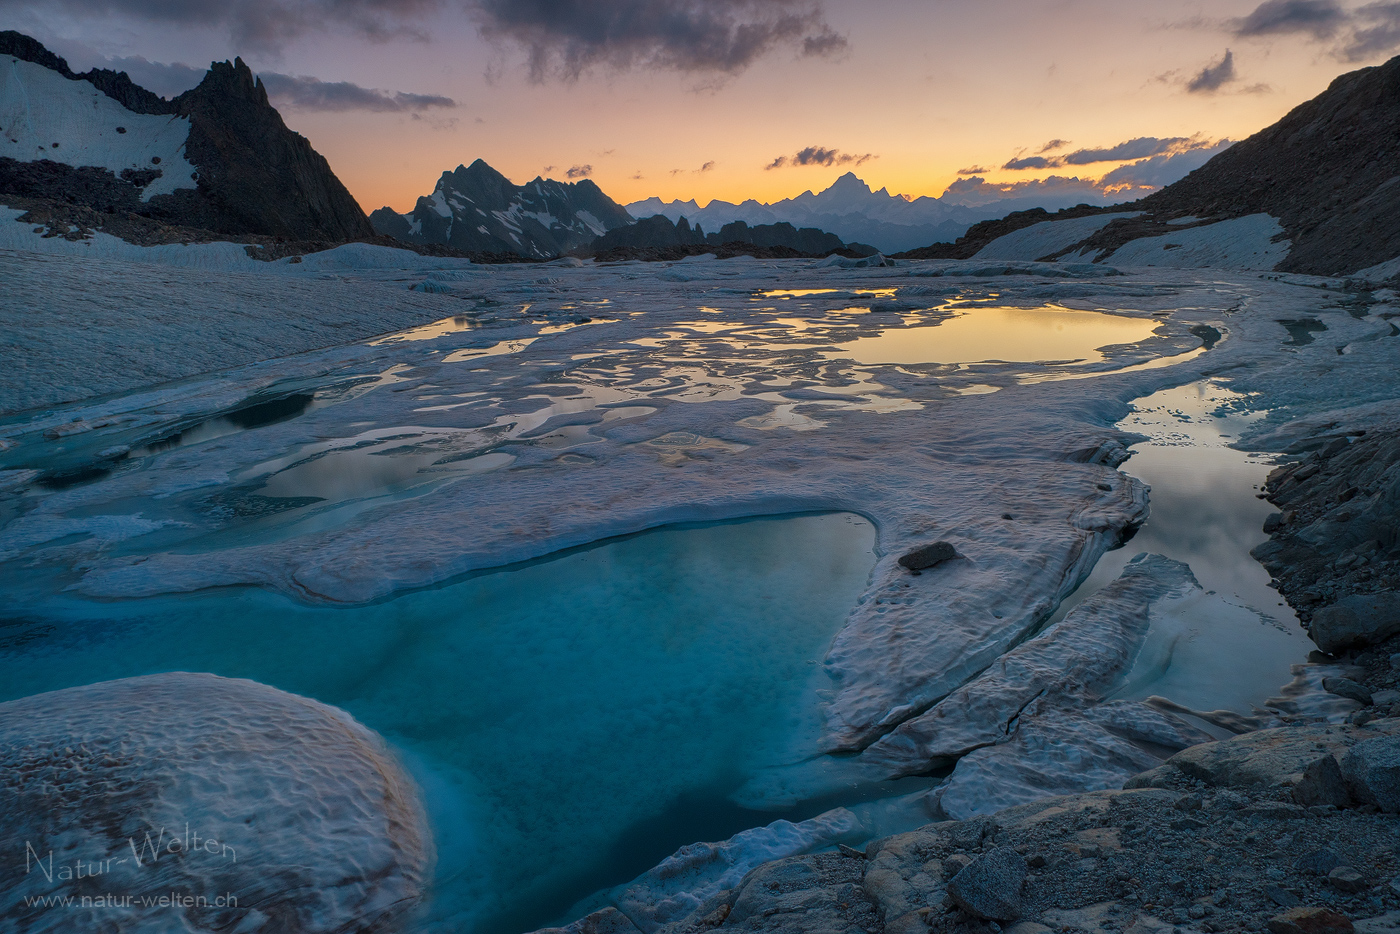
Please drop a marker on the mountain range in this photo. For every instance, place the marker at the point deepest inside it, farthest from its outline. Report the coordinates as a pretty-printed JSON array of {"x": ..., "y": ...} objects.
[{"x": 854, "y": 212}]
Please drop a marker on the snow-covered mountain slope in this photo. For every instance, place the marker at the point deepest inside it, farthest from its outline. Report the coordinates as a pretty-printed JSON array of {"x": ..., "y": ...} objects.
[
  {"x": 476, "y": 208},
  {"x": 217, "y": 158},
  {"x": 44, "y": 115}
]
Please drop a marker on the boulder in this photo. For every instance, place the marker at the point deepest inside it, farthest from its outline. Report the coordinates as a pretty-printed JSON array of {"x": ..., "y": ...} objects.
[
  {"x": 268, "y": 811},
  {"x": 926, "y": 557},
  {"x": 1351, "y": 690},
  {"x": 1309, "y": 920},
  {"x": 989, "y": 887},
  {"x": 1371, "y": 770},
  {"x": 1301, "y": 759},
  {"x": 1356, "y": 621}
]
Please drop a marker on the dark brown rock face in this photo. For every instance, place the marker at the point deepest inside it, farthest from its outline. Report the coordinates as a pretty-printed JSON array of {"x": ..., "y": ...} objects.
[{"x": 255, "y": 175}]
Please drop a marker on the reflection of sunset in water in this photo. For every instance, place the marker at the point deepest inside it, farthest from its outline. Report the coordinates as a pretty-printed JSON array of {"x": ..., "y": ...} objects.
[{"x": 1012, "y": 335}]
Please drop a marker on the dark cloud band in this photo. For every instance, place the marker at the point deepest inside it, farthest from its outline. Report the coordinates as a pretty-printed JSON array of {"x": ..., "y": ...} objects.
[
  {"x": 301, "y": 92},
  {"x": 1143, "y": 147},
  {"x": 819, "y": 155},
  {"x": 1367, "y": 31}
]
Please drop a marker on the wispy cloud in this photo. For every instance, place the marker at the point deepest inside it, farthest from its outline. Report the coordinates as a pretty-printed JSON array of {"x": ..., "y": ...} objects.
[
  {"x": 1142, "y": 147},
  {"x": 1052, "y": 146},
  {"x": 262, "y": 24},
  {"x": 819, "y": 155},
  {"x": 302, "y": 92},
  {"x": 974, "y": 170},
  {"x": 1319, "y": 18},
  {"x": 1353, "y": 35},
  {"x": 579, "y": 171},
  {"x": 1214, "y": 76}
]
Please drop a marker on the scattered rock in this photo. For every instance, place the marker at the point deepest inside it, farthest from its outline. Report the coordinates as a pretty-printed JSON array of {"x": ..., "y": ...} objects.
[
  {"x": 989, "y": 888},
  {"x": 926, "y": 557},
  {"x": 1318, "y": 862},
  {"x": 1347, "y": 879},
  {"x": 1282, "y": 897},
  {"x": 1356, "y": 620},
  {"x": 1372, "y": 772},
  {"x": 1309, "y": 921},
  {"x": 1345, "y": 687}
]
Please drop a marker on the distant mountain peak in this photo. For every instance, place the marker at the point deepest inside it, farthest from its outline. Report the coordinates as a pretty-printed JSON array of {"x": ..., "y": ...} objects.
[{"x": 476, "y": 208}]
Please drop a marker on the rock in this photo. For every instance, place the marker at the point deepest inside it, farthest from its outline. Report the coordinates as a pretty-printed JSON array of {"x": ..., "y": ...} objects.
[
  {"x": 1371, "y": 770},
  {"x": 989, "y": 888},
  {"x": 1301, "y": 759},
  {"x": 1347, "y": 879},
  {"x": 607, "y": 921},
  {"x": 1309, "y": 921},
  {"x": 1318, "y": 862},
  {"x": 1276, "y": 810},
  {"x": 1388, "y": 923},
  {"x": 1356, "y": 620},
  {"x": 287, "y": 803},
  {"x": 1395, "y": 662},
  {"x": 1345, "y": 687},
  {"x": 1385, "y": 698},
  {"x": 1282, "y": 897},
  {"x": 928, "y": 556}
]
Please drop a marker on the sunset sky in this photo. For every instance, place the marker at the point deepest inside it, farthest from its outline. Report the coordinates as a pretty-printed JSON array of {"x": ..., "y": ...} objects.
[{"x": 716, "y": 98}]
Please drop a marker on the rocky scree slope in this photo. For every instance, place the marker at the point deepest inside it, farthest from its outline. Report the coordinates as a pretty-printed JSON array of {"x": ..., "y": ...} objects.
[
  {"x": 476, "y": 208},
  {"x": 252, "y": 175}
]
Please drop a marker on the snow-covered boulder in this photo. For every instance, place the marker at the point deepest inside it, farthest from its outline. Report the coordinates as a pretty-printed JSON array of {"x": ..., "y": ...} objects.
[{"x": 190, "y": 802}]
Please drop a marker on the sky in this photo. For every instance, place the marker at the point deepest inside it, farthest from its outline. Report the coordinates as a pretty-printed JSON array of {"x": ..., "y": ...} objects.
[{"x": 736, "y": 99}]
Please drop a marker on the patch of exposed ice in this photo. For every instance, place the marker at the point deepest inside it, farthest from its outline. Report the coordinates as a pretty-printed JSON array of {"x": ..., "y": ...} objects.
[{"x": 1242, "y": 243}]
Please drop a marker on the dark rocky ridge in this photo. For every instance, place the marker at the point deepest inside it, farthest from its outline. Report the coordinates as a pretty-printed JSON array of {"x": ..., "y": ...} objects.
[
  {"x": 983, "y": 233},
  {"x": 254, "y": 175},
  {"x": 656, "y": 238},
  {"x": 488, "y": 212}
]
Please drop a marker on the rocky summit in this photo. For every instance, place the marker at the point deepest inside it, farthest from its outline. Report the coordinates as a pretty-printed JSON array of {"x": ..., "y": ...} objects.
[{"x": 476, "y": 208}]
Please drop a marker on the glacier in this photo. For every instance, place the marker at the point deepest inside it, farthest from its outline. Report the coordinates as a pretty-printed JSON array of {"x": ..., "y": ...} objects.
[{"x": 431, "y": 445}]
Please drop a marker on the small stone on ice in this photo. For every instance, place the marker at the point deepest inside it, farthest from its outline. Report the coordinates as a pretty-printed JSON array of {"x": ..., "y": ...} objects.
[{"x": 928, "y": 556}]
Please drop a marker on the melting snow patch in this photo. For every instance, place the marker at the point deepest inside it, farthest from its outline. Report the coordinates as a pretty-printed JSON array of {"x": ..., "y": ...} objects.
[{"x": 1242, "y": 243}]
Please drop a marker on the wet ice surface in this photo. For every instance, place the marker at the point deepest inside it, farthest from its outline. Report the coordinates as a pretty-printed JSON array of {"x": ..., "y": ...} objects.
[
  {"x": 558, "y": 715},
  {"x": 565, "y": 406},
  {"x": 1205, "y": 513}
]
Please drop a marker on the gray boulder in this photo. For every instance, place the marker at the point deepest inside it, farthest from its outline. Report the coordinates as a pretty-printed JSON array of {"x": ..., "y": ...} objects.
[
  {"x": 926, "y": 557},
  {"x": 1372, "y": 772},
  {"x": 989, "y": 887},
  {"x": 1351, "y": 690},
  {"x": 1356, "y": 621}
]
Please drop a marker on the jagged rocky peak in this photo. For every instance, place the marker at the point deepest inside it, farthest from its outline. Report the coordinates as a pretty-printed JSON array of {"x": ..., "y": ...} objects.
[
  {"x": 476, "y": 208},
  {"x": 216, "y": 158}
]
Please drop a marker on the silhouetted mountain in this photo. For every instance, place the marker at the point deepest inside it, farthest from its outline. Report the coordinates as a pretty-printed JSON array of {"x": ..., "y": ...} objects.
[
  {"x": 477, "y": 208},
  {"x": 216, "y": 158},
  {"x": 657, "y": 237}
]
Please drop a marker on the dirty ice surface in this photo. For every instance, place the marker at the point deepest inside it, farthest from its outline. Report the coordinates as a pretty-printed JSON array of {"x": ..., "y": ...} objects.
[{"x": 323, "y": 520}]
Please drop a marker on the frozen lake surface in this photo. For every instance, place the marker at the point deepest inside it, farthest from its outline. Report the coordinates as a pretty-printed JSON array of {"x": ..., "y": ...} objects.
[{"x": 609, "y": 554}]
